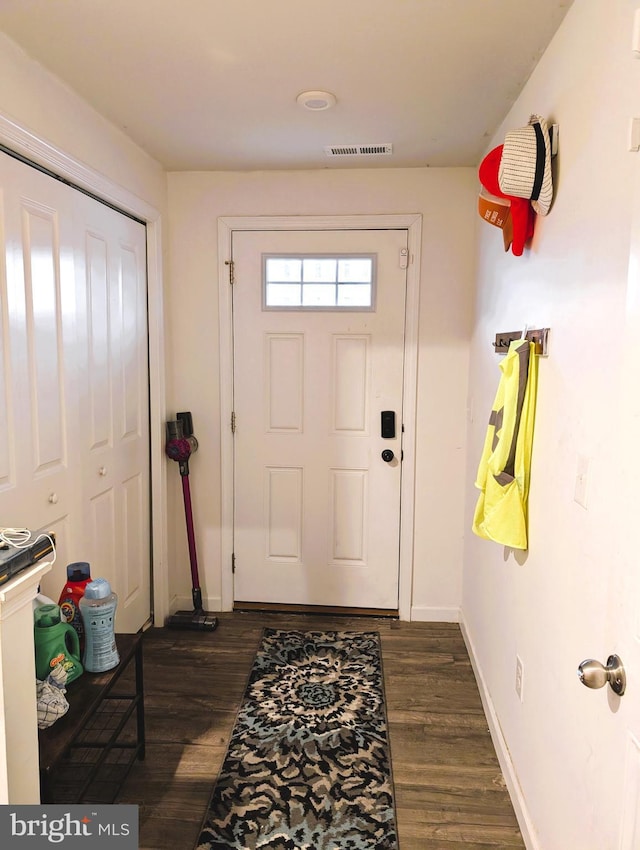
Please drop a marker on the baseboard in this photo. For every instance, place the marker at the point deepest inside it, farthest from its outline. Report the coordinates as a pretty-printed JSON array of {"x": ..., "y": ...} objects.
[
  {"x": 328, "y": 610},
  {"x": 502, "y": 750},
  {"x": 425, "y": 614},
  {"x": 185, "y": 603}
]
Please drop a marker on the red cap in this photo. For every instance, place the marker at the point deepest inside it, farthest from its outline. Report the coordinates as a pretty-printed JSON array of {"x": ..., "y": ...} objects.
[{"x": 522, "y": 213}]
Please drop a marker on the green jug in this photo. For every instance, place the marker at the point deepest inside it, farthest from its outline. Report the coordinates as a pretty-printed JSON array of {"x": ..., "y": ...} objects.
[{"x": 56, "y": 642}]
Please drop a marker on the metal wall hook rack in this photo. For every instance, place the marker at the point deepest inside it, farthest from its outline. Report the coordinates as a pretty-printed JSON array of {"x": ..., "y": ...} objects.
[{"x": 539, "y": 336}]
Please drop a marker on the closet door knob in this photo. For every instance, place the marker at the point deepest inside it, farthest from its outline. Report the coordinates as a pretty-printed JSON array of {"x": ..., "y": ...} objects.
[
  {"x": 102, "y": 471},
  {"x": 593, "y": 674},
  {"x": 53, "y": 498}
]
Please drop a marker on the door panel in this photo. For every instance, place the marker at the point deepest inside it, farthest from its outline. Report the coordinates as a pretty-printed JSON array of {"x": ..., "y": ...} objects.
[
  {"x": 111, "y": 281},
  {"x": 317, "y": 510},
  {"x": 40, "y": 364}
]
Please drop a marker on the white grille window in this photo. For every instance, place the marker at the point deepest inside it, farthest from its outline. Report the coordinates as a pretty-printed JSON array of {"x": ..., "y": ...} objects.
[{"x": 318, "y": 282}]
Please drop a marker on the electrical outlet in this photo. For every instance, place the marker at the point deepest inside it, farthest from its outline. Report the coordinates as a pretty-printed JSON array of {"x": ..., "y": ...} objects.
[{"x": 520, "y": 678}]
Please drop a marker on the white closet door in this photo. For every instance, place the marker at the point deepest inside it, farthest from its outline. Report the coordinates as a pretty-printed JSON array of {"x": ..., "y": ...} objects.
[
  {"x": 113, "y": 395},
  {"x": 74, "y": 433},
  {"x": 39, "y": 484}
]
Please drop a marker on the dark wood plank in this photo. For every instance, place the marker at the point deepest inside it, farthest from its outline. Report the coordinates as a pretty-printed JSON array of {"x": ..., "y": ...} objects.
[{"x": 450, "y": 793}]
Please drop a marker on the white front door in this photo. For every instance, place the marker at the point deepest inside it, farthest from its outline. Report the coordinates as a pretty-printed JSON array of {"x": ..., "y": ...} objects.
[{"x": 317, "y": 508}]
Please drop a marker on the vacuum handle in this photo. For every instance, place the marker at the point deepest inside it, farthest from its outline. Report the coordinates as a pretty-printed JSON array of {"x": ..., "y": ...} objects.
[
  {"x": 187, "y": 423},
  {"x": 181, "y": 442},
  {"x": 174, "y": 430}
]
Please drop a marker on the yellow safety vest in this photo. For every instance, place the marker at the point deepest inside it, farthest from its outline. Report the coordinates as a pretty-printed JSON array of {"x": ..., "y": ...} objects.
[{"x": 505, "y": 465}]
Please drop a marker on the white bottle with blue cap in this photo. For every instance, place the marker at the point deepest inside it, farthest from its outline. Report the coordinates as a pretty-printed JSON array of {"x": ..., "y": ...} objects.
[{"x": 98, "y": 610}]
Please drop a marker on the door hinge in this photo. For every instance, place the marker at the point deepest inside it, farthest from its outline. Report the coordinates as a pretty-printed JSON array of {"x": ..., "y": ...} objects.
[
  {"x": 404, "y": 258},
  {"x": 232, "y": 278},
  {"x": 233, "y": 422},
  {"x": 233, "y": 562}
]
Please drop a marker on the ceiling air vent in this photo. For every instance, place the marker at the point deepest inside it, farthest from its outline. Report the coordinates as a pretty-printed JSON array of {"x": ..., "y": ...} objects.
[{"x": 359, "y": 150}]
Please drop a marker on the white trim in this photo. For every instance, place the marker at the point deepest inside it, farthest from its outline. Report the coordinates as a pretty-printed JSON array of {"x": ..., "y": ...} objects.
[
  {"x": 424, "y": 614},
  {"x": 502, "y": 750},
  {"x": 23, "y": 141},
  {"x": 39, "y": 151},
  {"x": 225, "y": 313},
  {"x": 409, "y": 415},
  {"x": 413, "y": 224}
]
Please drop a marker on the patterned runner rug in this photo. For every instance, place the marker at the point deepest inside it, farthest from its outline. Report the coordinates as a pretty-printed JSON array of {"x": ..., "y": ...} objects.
[{"x": 308, "y": 764}]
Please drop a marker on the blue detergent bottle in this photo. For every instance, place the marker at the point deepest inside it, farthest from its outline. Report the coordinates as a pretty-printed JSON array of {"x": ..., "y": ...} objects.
[
  {"x": 98, "y": 611},
  {"x": 56, "y": 642}
]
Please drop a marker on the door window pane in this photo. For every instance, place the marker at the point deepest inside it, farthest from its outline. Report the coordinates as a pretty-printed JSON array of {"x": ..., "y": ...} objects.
[
  {"x": 312, "y": 282},
  {"x": 315, "y": 270},
  {"x": 319, "y": 295},
  {"x": 283, "y": 295},
  {"x": 355, "y": 270},
  {"x": 281, "y": 269},
  {"x": 354, "y": 295}
]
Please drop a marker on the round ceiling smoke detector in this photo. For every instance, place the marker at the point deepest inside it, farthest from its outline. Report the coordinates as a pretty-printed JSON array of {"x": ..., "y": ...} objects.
[{"x": 316, "y": 101}]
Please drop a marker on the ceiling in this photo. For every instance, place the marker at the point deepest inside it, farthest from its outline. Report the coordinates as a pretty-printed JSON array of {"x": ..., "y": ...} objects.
[{"x": 212, "y": 84}]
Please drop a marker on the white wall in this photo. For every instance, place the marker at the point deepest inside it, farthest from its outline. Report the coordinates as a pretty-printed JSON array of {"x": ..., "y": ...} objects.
[
  {"x": 574, "y": 594},
  {"x": 446, "y": 199}
]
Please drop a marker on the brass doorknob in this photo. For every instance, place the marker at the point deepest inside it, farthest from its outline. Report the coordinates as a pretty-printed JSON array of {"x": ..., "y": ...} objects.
[{"x": 593, "y": 674}]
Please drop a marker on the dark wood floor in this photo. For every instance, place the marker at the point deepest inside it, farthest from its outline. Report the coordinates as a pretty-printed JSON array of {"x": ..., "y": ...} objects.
[{"x": 450, "y": 793}]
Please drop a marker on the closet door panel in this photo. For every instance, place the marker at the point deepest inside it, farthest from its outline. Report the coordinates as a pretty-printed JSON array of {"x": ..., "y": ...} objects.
[
  {"x": 98, "y": 411},
  {"x": 133, "y": 407},
  {"x": 102, "y": 524},
  {"x": 111, "y": 275},
  {"x": 51, "y": 352},
  {"x": 44, "y": 337},
  {"x": 40, "y": 357},
  {"x": 135, "y": 552},
  {"x": 132, "y": 315}
]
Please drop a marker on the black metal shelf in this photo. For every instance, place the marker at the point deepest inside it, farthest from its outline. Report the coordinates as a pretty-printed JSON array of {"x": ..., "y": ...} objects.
[{"x": 86, "y": 755}]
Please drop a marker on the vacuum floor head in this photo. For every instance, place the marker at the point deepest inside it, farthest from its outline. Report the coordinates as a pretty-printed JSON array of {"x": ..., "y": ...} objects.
[{"x": 197, "y": 620}]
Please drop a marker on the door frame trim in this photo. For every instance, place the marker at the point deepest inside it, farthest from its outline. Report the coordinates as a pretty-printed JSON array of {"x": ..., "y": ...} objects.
[
  {"x": 412, "y": 223},
  {"x": 40, "y": 152}
]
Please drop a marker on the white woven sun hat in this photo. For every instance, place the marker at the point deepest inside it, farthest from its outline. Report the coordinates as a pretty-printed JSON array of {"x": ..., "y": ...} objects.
[{"x": 525, "y": 167}]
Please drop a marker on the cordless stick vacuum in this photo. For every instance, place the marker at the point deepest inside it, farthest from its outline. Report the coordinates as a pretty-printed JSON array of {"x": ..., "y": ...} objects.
[{"x": 181, "y": 444}]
